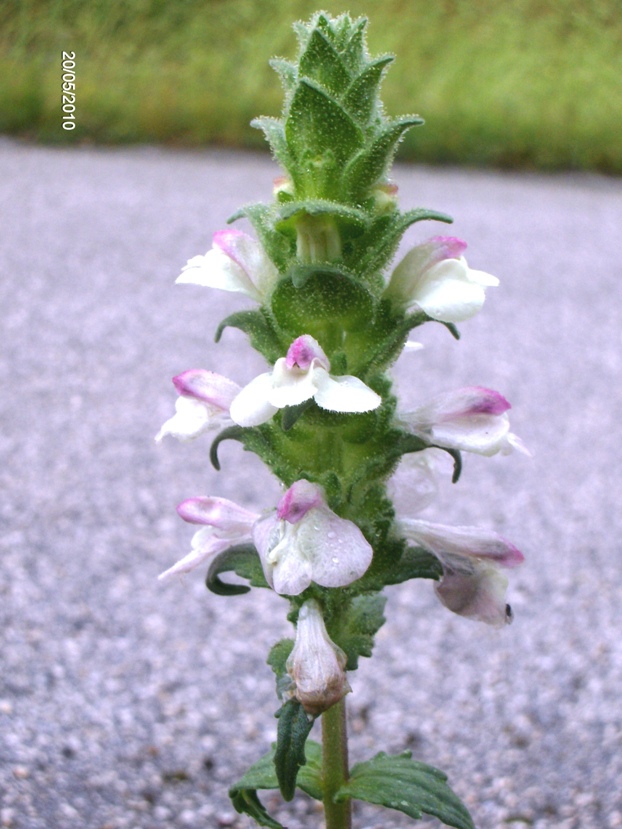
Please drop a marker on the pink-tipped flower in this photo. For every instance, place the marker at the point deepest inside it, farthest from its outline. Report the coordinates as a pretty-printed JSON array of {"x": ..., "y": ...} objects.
[
  {"x": 316, "y": 665},
  {"x": 472, "y": 584},
  {"x": 473, "y": 419},
  {"x": 301, "y": 375},
  {"x": 203, "y": 404},
  {"x": 236, "y": 262},
  {"x": 305, "y": 541},
  {"x": 225, "y": 524},
  {"x": 435, "y": 276}
]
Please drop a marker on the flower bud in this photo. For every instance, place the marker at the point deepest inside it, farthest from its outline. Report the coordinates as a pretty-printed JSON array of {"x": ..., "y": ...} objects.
[{"x": 316, "y": 664}]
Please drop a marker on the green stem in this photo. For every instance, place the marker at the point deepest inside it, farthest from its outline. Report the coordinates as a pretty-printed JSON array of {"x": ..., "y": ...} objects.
[{"x": 335, "y": 766}]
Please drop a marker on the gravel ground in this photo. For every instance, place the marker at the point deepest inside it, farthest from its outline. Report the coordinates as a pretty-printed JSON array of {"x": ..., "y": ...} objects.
[{"x": 128, "y": 704}]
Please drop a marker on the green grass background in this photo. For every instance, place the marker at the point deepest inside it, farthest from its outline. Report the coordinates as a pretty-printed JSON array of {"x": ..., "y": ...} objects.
[{"x": 508, "y": 83}]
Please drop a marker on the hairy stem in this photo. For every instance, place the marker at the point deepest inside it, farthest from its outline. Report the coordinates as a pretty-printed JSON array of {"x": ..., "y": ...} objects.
[{"x": 335, "y": 766}]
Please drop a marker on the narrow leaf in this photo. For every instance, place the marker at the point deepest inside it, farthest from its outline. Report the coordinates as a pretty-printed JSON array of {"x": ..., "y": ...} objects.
[
  {"x": 242, "y": 560},
  {"x": 230, "y": 433},
  {"x": 401, "y": 783},
  {"x": 378, "y": 245},
  {"x": 274, "y": 131},
  {"x": 361, "y": 98},
  {"x": 415, "y": 563},
  {"x": 281, "y": 249},
  {"x": 260, "y": 332},
  {"x": 317, "y": 123},
  {"x": 292, "y": 732},
  {"x": 287, "y": 72},
  {"x": 321, "y": 63},
  {"x": 291, "y": 414},
  {"x": 370, "y": 164},
  {"x": 246, "y": 802}
]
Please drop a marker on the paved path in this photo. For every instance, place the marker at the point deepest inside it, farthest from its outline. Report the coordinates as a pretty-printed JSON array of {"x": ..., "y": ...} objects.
[{"x": 128, "y": 704}]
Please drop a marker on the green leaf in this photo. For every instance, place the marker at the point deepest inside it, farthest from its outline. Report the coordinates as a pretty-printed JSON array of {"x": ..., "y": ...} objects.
[
  {"x": 246, "y": 802},
  {"x": 321, "y": 63},
  {"x": 359, "y": 625},
  {"x": 350, "y": 219},
  {"x": 292, "y": 732},
  {"x": 243, "y": 560},
  {"x": 415, "y": 563},
  {"x": 262, "y": 775},
  {"x": 401, "y": 783},
  {"x": 362, "y": 95},
  {"x": 376, "y": 248},
  {"x": 274, "y": 131},
  {"x": 260, "y": 332},
  {"x": 291, "y": 414},
  {"x": 354, "y": 52},
  {"x": 322, "y": 137},
  {"x": 280, "y": 248},
  {"x": 370, "y": 164},
  {"x": 277, "y": 660},
  {"x": 287, "y": 72}
]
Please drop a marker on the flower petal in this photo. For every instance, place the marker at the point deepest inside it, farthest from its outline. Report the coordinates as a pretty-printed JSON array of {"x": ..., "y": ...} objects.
[
  {"x": 344, "y": 393},
  {"x": 205, "y": 545},
  {"x": 252, "y": 406},
  {"x": 338, "y": 551},
  {"x": 477, "y": 595},
  {"x": 446, "y": 293},
  {"x": 249, "y": 254},
  {"x": 217, "y": 270},
  {"x": 291, "y": 386},
  {"x": 207, "y": 386}
]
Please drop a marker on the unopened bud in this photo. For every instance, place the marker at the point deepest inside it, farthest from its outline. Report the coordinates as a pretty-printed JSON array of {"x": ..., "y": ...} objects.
[{"x": 316, "y": 664}]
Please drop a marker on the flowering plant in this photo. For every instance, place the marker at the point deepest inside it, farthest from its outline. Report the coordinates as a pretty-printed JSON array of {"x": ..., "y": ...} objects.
[{"x": 325, "y": 421}]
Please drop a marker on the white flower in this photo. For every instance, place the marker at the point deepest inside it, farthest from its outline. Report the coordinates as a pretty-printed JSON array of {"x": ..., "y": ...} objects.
[
  {"x": 316, "y": 665},
  {"x": 473, "y": 419},
  {"x": 305, "y": 541},
  {"x": 435, "y": 276},
  {"x": 203, "y": 404},
  {"x": 472, "y": 585},
  {"x": 236, "y": 262},
  {"x": 226, "y": 524},
  {"x": 301, "y": 375}
]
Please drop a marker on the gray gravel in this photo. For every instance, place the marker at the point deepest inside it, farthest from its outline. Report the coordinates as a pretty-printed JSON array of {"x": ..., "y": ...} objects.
[{"x": 128, "y": 704}]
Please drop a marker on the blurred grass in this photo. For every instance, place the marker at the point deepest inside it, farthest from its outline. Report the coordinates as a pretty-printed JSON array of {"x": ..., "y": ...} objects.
[{"x": 508, "y": 83}]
